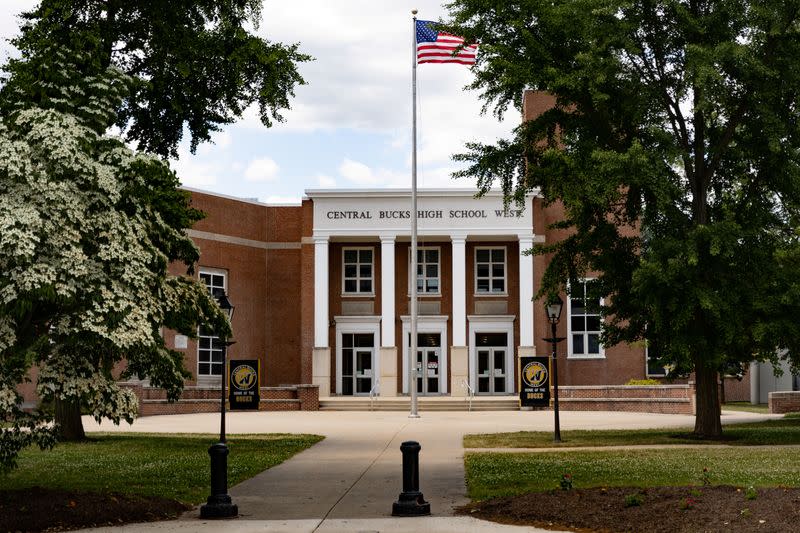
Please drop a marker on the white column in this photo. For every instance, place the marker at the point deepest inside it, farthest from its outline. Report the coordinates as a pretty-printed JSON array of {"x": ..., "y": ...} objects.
[
  {"x": 387, "y": 291},
  {"x": 755, "y": 378},
  {"x": 525, "y": 292},
  {"x": 459, "y": 290},
  {"x": 321, "y": 319}
]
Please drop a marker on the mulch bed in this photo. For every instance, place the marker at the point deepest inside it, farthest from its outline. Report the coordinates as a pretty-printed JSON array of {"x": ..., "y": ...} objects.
[
  {"x": 661, "y": 509},
  {"x": 39, "y": 509}
]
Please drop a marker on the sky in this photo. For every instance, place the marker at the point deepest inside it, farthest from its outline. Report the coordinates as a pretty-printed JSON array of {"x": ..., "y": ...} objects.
[{"x": 350, "y": 126}]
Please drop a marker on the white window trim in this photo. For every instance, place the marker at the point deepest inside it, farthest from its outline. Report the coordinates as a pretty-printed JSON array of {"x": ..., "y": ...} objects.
[
  {"x": 411, "y": 274},
  {"x": 492, "y": 324},
  {"x": 475, "y": 272},
  {"x": 358, "y": 324},
  {"x": 215, "y": 271},
  {"x": 570, "y": 355},
  {"x": 427, "y": 324},
  {"x": 357, "y": 294},
  {"x": 647, "y": 365},
  {"x": 211, "y": 380}
]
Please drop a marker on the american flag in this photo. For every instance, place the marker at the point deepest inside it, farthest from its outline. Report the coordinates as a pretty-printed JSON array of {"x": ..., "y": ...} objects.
[{"x": 437, "y": 47}]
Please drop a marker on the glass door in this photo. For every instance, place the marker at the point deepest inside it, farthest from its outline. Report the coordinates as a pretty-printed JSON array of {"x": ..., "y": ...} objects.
[
  {"x": 491, "y": 352},
  {"x": 428, "y": 371},
  {"x": 357, "y": 363},
  {"x": 363, "y": 371},
  {"x": 429, "y": 356}
]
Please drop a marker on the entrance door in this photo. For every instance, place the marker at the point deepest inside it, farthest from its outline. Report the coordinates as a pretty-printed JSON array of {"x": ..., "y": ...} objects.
[
  {"x": 357, "y": 363},
  {"x": 429, "y": 356},
  {"x": 428, "y": 371},
  {"x": 491, "y": 351}
]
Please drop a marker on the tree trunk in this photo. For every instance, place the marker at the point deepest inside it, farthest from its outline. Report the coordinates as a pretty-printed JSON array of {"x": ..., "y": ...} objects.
[
  {"x": 707, "y": 423},
  {"x": 68, "y": 418}
]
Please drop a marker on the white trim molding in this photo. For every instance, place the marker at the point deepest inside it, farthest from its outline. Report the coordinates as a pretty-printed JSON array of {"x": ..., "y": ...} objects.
[
  {"x": 492, "y": 324},
  {"x": 358, "y": 324}
]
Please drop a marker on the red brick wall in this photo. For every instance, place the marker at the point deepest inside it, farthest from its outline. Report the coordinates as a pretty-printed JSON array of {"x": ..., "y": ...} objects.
[
  {"x": 672, "y": 399},
  {"x": 622, "y": 362},
  {"x": 153, "y": 401},
  {"x": 784, "y": 402},
  {"x": 737, "y": 390},
  {"x": 227, "y": 216},
  {"x": 263, "y": 284},
  {"x": 284, "y": 341},
  {"x": 306, "y": 294}
]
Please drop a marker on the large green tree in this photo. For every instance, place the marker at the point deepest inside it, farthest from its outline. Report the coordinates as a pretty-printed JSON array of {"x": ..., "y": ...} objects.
[
  {"x": 677, "y": 119},
  {"x": 196, "y": 64},
  {"x": 154, "y": 69},
  {"x": 88, "y": 228}
]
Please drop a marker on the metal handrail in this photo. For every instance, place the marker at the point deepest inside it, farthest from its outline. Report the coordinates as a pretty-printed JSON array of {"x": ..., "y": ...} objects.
[
  {"x": 470, "y": 393},
  {"x": 373, "y": 394}
]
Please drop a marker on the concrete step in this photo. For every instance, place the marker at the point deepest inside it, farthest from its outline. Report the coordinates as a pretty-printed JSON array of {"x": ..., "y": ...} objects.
[{"x": 439, "y": 403}]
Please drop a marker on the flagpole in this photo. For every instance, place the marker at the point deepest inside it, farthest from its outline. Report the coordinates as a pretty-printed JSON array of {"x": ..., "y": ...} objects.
[{"x": 412, "y": 367}]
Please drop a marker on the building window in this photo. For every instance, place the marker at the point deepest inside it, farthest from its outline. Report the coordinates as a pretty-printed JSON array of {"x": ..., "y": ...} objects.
[
  {"x": 584, "y": 322},
  {"x": 209, "y": 350},
  {"x": 654, "y": 369},
  {"x": 214, "y": 282},
  {"x": 428, "y": 277},
  {"x": 358, "y": 270},
  {"x": 490, "y": 270}
]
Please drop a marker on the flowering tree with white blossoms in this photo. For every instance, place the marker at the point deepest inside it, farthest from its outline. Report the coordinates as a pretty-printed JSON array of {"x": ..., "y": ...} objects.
[{"x": 88, "y": 228}]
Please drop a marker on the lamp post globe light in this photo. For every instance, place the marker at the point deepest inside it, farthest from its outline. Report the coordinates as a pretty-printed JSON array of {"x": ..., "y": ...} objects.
[
  {"x": 553, "y": 309},
  {"x": 219, "y": 504}
]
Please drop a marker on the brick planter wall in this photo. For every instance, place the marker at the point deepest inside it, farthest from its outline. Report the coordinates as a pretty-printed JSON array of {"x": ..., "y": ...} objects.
[
  {"x": 784, "y": 402},
  {"x": 669, "y": 399},
  {"x": 153, "y": 401}
]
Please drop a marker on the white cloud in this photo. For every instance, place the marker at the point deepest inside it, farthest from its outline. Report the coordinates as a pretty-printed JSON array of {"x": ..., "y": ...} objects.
[
  {"x": 325, "y": 181},
  {"x": 357, "y": 173},
  {"x": 261, "y": 169},
  {"x": 192, "y": 173},
  {"x": 278, "y": 199},
  {"x": 442, "y": 178},
  {"x": 220, "y": 141},
  {"x": 196, "y": 170},
  {"x": 362, "y": 175}
]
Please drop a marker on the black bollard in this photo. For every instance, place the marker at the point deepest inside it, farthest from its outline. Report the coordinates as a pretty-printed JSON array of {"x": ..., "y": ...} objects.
[
  {"x": 411, "y": 502},
  {"x": 219, "y": 504}
]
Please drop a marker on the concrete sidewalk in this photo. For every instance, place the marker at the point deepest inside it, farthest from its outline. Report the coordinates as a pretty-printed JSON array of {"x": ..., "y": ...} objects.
[{"x": 349, "y": 481}]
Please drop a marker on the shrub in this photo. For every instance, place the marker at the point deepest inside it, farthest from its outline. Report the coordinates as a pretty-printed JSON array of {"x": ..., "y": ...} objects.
[
  {"x": 643, "y": 382},
  {"x": 634, "y": 500}
]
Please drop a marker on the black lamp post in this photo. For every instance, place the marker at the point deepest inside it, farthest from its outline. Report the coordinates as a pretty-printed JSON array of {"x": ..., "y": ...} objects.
[
  {"x": 553, "y": 309},
  {"x": 219, "y": 504}
]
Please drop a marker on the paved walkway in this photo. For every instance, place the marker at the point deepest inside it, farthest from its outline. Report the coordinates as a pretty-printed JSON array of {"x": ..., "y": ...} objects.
[{"x": 349, "y": 481}]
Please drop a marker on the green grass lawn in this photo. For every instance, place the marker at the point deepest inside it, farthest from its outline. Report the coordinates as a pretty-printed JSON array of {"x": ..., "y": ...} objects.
[
  {"x": 171, "y": 466},
  {"x": 747, "y": 407},
  {"x": 770, "y": 432},
  {"x": 507, "y": 474}
]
